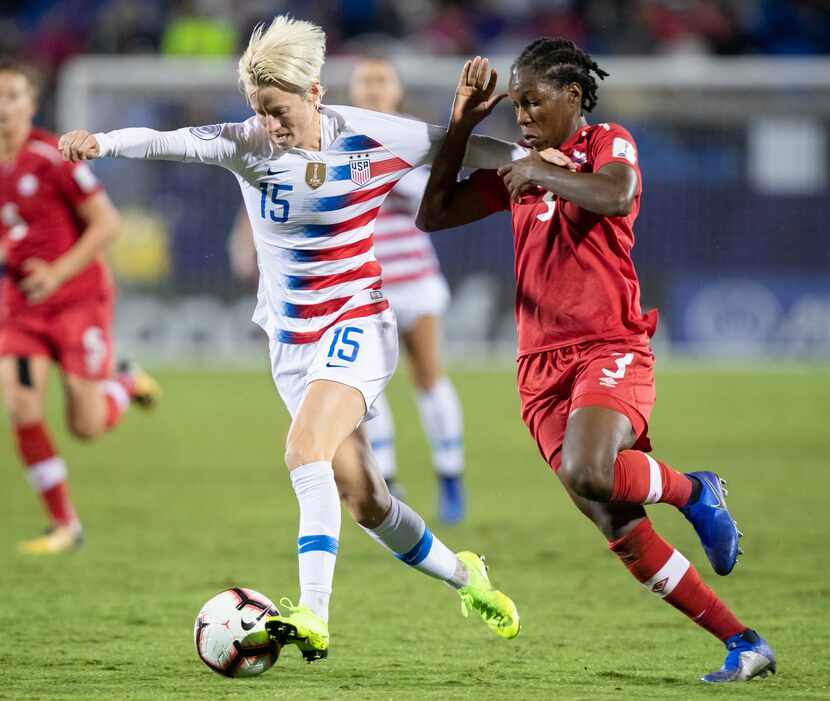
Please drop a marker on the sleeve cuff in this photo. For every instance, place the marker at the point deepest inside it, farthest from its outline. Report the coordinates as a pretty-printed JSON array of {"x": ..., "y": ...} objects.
[{"x": 104, "y": 143}]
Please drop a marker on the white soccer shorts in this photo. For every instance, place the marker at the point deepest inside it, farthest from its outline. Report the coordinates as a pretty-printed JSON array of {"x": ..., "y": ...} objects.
[
  {"x": 361, "y": 353},
  {"x": 428, "y": 296}
]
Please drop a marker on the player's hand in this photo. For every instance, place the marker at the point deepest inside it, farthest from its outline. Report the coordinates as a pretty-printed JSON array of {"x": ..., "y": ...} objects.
[
  {"x": 79, "y": 145},
  {"x": 520, "y": 177},
  {"x": 525, "y": 175},
  {"x": 557, "y": 158},
  {"x": 474, "y": 96},
  {"x": 41, "y": 280}
]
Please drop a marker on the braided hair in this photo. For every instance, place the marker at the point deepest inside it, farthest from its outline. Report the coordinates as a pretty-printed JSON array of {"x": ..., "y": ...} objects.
[{"x": 560, "y": 60}]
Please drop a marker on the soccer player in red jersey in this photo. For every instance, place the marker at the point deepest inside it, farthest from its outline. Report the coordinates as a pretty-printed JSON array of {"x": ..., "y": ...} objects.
[
  {"x": 56, "y": 301},
  {"x": 585, "y": 368}
]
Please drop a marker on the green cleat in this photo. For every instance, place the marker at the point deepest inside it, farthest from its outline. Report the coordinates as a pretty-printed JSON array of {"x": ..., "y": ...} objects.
[
  {"x": 302, "y": 627},
  {"x": 497, "y": 609}
]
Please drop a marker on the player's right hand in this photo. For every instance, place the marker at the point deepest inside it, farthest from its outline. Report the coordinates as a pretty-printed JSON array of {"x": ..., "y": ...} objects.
[
  {"x": 474, "y": 98},
  {"x": 79, "y": 145},
  {"x": 557, "y": 158}
]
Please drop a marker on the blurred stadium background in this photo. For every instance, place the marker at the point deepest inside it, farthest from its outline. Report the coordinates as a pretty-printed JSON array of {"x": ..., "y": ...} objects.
[{"x": 729, "y": 102}]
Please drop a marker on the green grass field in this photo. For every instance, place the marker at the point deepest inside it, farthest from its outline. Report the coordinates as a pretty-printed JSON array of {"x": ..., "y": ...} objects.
[{"x": 183, "y": 503}]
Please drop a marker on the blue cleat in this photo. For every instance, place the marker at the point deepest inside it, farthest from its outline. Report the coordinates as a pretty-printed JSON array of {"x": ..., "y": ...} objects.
[
  {"x": 747, "y": 656},
  {"x": 714, "y": 524},
  {"x": 451, "y": 505}
]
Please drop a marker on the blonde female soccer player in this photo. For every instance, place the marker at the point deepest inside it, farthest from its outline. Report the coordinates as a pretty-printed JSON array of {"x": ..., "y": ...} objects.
[
  {"x": 418, "y": 293},
  {"x": 313, "y": 178}
]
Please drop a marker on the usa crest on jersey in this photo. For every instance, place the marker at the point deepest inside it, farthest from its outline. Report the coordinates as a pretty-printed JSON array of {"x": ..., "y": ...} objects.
[{"x": 360, "y": 169}]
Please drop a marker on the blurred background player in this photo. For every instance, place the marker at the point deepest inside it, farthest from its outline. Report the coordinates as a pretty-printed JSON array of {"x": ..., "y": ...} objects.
[
  {"x": 57, "y": 301},
  {"x": 419, "y": 295},
  {"x": 585, "y": 366}
]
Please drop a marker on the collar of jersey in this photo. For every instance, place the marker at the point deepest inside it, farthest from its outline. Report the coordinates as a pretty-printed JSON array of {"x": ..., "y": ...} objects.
[{"x": 573, "y": 138}]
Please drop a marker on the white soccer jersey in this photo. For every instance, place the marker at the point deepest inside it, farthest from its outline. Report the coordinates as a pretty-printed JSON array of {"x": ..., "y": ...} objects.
[
  {"x": 312, "y": 212},
  {"x": 405, "y": 252}
]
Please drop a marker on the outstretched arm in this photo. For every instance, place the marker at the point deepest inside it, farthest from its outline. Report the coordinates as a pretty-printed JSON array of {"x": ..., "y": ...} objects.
[
  {"x": 218, "y": 144},
  {"x": 446, "y": 202}
]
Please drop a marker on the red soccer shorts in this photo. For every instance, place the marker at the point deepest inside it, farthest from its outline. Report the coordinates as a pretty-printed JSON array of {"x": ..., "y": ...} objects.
[
  {"x": 618, "y": 375},
  {"x": 77, "y": 337}
]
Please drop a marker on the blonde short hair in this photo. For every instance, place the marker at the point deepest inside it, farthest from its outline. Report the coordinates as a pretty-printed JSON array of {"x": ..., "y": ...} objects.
[{"x": 288, "y": 54}]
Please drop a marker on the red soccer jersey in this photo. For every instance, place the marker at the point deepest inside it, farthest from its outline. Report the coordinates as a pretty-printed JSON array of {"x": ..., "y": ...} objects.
[
  {"x": 39, "y": 194},
  {"x": 575, "y": 280}
]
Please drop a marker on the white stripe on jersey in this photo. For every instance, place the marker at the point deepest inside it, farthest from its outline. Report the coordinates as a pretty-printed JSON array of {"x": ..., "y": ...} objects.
[{"x": 313, "y": 233}]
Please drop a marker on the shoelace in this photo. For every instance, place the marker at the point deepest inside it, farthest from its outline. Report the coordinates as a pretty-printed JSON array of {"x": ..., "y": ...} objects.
[{"x": 287, "y": 603}]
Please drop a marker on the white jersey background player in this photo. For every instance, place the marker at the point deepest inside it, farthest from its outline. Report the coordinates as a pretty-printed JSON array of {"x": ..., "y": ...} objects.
[
  {"x": 419, "y": 295},
  {"x": 313, "y": 179}
]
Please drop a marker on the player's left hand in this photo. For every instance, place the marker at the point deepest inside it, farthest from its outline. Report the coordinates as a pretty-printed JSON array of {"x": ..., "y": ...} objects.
[{"x": 41, "y": 280}]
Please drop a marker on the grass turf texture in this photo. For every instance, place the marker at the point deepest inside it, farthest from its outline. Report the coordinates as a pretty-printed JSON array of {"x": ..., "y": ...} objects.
[{"x": 186, "y": 502}]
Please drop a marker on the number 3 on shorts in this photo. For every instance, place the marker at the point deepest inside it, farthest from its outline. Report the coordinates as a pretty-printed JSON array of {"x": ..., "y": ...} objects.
[
  {"x": 95, "y": 348},
  {"x": 610, "y": 377},
  {"x": 344, "y": 344}
]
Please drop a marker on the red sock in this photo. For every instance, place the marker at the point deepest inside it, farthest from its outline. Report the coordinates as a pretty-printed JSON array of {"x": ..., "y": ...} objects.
[
  {"x": 664, "y": 571},
  {"x": 640, "y": 479},
  {"x": 117, "y": 393},
  {"x": 46, "y": 471}
]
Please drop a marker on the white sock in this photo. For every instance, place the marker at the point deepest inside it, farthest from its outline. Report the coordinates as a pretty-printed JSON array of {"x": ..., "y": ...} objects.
[
  {"x": 317, "y": 541},
  {"x": 443, "y": 423},
  {"x": 404, "y": 532},
  {"x": 380, "y": 431},
  {"x": 115, "y": 389}
]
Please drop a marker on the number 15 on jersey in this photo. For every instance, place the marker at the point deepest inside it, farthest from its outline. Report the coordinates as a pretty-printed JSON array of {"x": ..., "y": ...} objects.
[{"x": 277, "y": 208}]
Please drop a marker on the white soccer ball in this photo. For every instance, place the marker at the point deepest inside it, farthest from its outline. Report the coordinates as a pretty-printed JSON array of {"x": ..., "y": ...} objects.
[{"x": 230, "y": 633}]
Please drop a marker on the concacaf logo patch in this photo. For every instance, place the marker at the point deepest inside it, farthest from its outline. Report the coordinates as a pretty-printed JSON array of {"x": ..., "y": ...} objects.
[
  {"x": 207, "y": 132},
  {"x": 622, "y": 148}
]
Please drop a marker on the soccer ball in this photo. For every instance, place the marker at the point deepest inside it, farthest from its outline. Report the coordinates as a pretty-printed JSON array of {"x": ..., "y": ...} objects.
[{"x": 230, "y": 633}]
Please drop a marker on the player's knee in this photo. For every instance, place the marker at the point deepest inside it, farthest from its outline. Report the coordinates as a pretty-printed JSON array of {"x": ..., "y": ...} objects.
[
  {"x": 84, "y": 429},
  {"x": 588, "y": 474},
  {"x": 302, "y": 451},
  {"x": 23, "y": 410},
  {"x": 295, "y": 457},
  {"x": 425, "y": 375},
  {"x": 426, "y": 380}
]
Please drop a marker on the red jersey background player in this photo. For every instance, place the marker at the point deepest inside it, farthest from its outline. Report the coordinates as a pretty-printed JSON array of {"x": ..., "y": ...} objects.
[
  {"x": 56, "y": 302},
  {"x": 585, "y": 369}
]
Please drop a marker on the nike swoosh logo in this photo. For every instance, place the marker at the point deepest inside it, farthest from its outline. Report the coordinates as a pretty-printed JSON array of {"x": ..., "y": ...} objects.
[
  {"x": 335, "y": 365},
  {"x": 276, "y": 172},
  {"x": 247, "y": 625}
]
